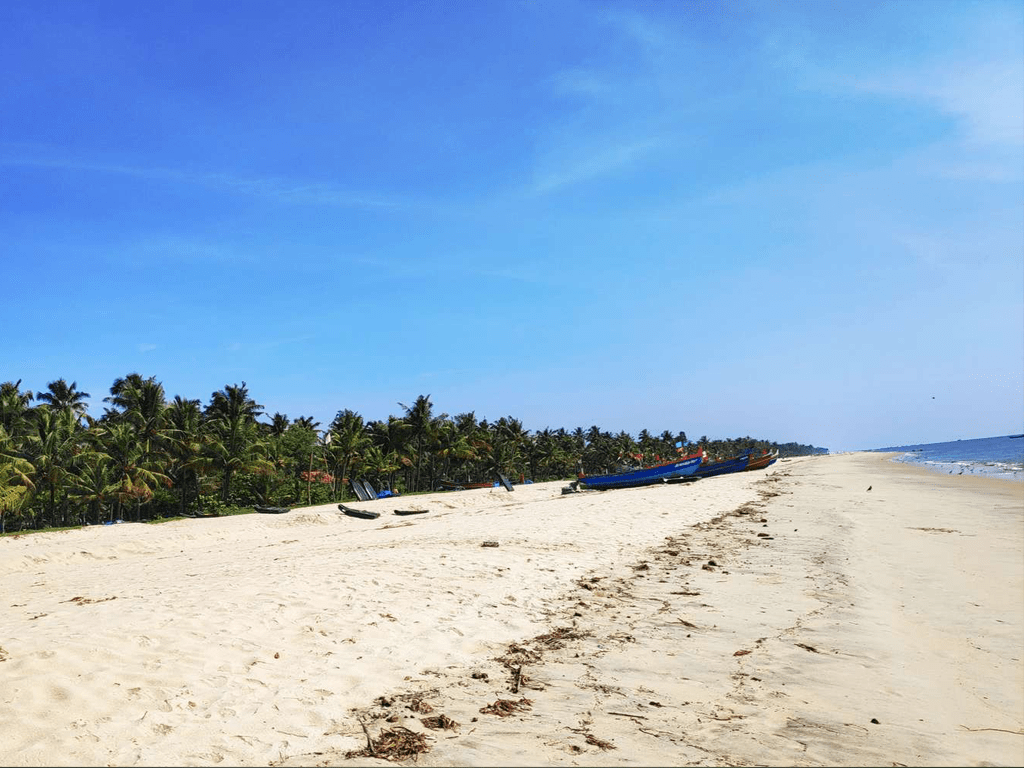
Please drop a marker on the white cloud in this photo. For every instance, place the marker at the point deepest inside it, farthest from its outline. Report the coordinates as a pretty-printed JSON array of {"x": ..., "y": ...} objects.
[
  {"x": 987, "y": 98},
  {"x": 580, "y": 166},
  {"x": 146, "y": 347}
]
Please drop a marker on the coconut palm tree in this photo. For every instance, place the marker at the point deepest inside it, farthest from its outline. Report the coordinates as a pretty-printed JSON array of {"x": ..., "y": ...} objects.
[
  {"x": 420, "y": 418},
  {"x": 14, "y": 407},
  {"x": 306, "y": 422},
  {"x": 51, "y": 448},
  {"x": 184, "y": 448},
  {"x": 94, "y": 484},
  {"x": 379, "y": 465},
  {"x": 234, "y": 443},
  {"x": 16, "y": 484},
  {"x": 453, "y": 445},
  {"x": 348, "y": 437},
  {"x": 278, "y": 424},
  {"x": 120, "y": 397},
  {"x": 134, "y": 472},
  {"x": 392, "y": 437},
  {"x": 509, "y": 443},
  {"x": 62, "y": 396}
]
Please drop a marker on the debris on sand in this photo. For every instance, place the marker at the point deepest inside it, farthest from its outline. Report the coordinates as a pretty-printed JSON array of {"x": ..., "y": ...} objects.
[
  {"x": 418, "y": 705},
  {"x": 557, "y": 638},
  {"x": 506, "y": 707},
  {"x": 606, "y": 745},
  {"x": 396, "y": 743},
  {"x": 439, "y": 723}
]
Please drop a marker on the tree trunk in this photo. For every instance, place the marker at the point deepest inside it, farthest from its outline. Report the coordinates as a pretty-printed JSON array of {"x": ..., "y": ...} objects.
[{"x": 226, "y": 486}]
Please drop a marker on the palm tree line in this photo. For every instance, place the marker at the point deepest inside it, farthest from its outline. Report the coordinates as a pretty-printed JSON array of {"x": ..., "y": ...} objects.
[{"x": 148, "y": 457}]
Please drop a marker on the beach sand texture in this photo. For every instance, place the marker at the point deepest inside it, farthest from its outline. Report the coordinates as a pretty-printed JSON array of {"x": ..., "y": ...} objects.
[{"x": 759, "y": 618}]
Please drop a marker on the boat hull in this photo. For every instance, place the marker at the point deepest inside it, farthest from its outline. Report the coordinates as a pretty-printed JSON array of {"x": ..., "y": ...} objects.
[
  {"x": 760, "y": 462},
  {"x": 737, "y": 464},
  {"x": 365, "y": 514},
  {"x": 272, "y": 510},
  {"x": 449, "y": 485},
  {"x": 645, "y": 476}
]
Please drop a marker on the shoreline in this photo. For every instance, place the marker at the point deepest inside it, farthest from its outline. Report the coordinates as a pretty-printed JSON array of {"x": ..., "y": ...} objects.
[{"x": 267, "y": 641}]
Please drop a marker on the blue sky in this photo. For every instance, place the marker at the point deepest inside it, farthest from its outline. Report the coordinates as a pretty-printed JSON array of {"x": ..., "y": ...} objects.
[{"x": 794, "y": 221}]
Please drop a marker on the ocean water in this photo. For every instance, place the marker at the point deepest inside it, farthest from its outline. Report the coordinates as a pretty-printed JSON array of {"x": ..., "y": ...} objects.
[{"x": 1001, "y": 457}]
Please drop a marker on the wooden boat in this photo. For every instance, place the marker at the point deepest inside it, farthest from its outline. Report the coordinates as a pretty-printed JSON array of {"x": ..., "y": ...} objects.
[
  {"x": 272, "y": 510},
  {"x": 724, "y": 467},
  {"x": 411, "y": 511},
  {"x": 363, "y": 513},
  {"x": 451, "y": 485},
  {"x": 645, "y": 476},
  {"x": 760, "y": 462}
]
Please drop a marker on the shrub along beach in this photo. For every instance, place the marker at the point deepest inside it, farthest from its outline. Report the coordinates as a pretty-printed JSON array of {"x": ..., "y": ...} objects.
[{"x": 151, "y": 458}]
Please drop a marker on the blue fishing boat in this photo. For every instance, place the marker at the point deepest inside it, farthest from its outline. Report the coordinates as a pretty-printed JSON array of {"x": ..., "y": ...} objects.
[
  {"x": 724, "y": 467},
  {"x": 644, "y": 476}
]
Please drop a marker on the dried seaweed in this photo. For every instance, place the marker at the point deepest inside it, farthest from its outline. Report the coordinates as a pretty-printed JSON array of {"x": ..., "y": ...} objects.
[
  {"x": 516, "y": 655},
  {"x": 88, "y": 600},
  {"x": 439, "y": 722},
  {"x": 418, "y": 705},
  {"x": 606, "y": 745},
  {"x": 556, "y": 638},
  {"x": 506, "y": 707},
  {"x": 396, "y": 743}
]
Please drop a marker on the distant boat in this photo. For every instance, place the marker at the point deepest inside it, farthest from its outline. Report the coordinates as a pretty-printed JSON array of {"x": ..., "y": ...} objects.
[
  {"x": 451, "y": 485},
  {"x": 1014, "y": 437},
  {"x": 644, "y": 476},
  {"x": 272, "y": 510},
  {"x": 724, "y": 467}
]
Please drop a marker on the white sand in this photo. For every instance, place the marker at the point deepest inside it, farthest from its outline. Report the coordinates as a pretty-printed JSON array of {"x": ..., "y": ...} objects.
[{"x": 265, "y": 639}]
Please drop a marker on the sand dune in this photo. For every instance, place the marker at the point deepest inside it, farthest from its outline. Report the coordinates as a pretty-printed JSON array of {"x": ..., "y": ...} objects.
[{"x": 651, "y": 626}]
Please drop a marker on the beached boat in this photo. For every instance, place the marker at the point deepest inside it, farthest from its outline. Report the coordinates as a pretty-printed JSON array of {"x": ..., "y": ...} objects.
[
  {"x": 724, "y": 467},
  {"x": 363, "y": 513},
  {"x": 644, "y": 476},
  {"x": 411, "y": 511},
  {"x": 272, "y": 510},
  {"x": 452, "y": 485},
  {"x": 760, "y": 462}
]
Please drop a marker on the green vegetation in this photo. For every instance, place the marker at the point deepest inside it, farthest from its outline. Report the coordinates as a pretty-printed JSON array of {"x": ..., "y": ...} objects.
[{"x": 150, "y": 459}]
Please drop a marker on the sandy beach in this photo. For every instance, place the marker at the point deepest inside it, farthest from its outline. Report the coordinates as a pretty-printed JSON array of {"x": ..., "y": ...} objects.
[{"x": 832, "y": 610}]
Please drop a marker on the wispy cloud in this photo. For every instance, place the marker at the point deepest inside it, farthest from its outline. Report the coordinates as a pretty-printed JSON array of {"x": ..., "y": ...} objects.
[
  {"x": 628, "y": 110},
  {"x": 584, "y": 164},
  {"x": 978, "y": 80},
  {"x": 284, "y": 190},
  {"x": 146, "y": 348},
  {"x": 987, "y": 98}
]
